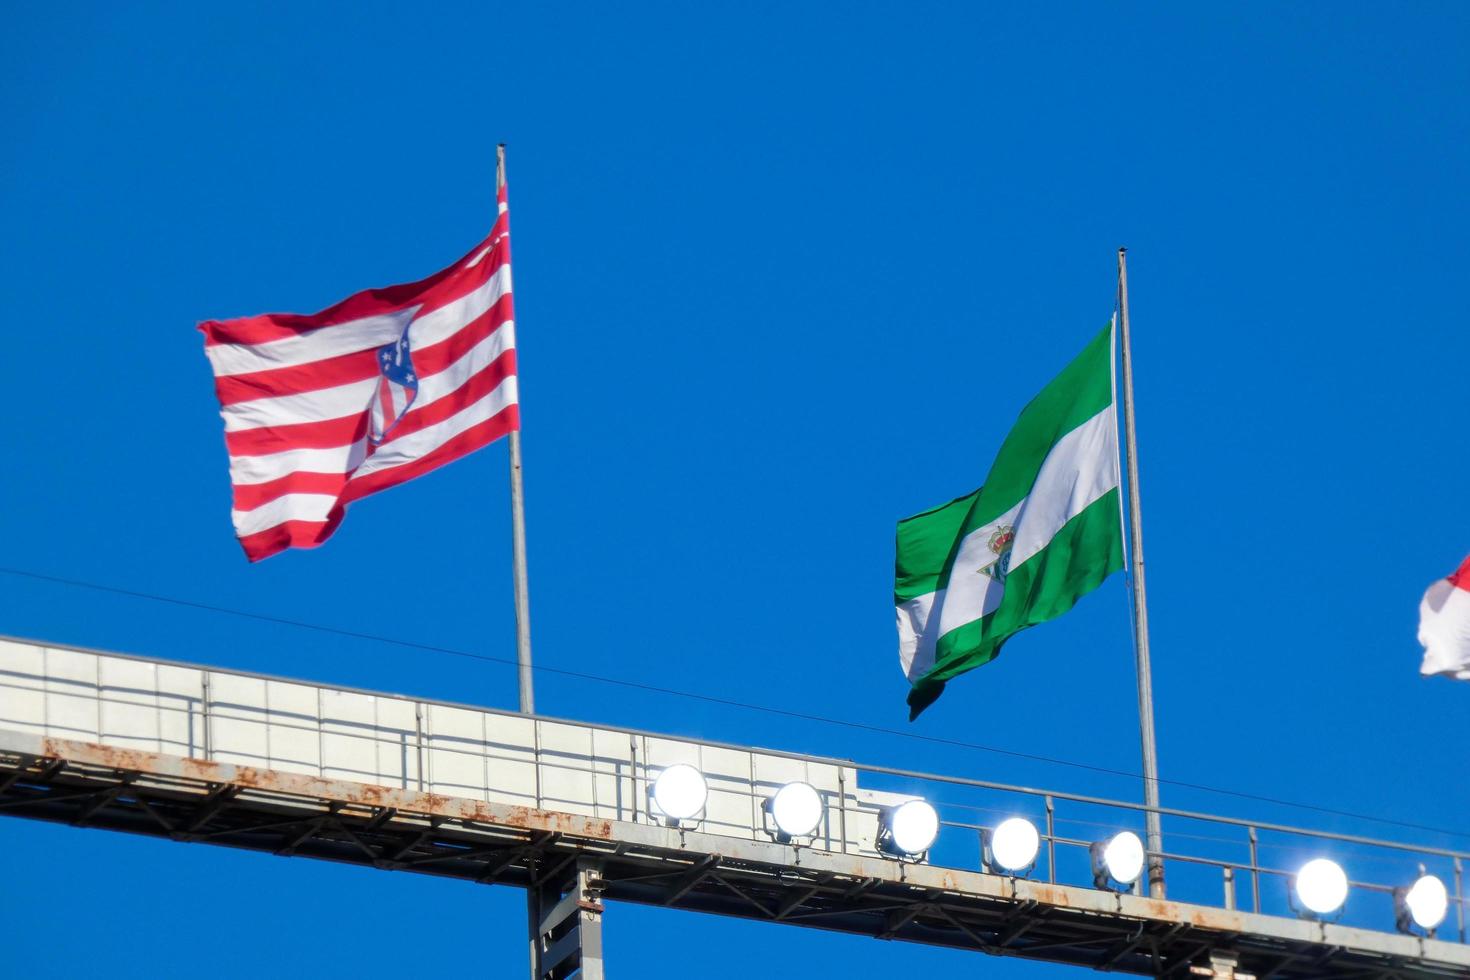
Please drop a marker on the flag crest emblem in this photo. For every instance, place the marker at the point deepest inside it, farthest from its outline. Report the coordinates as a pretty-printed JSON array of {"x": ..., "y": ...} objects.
[
  {"x": 1000, "y": 546},
  {"x": 398, "y": 386}
]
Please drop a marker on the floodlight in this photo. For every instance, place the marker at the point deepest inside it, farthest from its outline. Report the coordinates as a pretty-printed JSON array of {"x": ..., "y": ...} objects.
[
  {"x": 1012, "y": 846},
  {"x": 909, "y": 829},
  {"x": 680, "y": 792},
  {"x": 1117, "y": 861},
  {"x": 1320, "y": 887},
  {"x": 1423, "y": 904},
  {"x": 797, "y": 810}
]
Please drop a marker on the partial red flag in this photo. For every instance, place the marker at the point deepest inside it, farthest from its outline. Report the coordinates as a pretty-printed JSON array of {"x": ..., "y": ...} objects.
[
  {"x": 1444, "y": 626},
  {"x": 386, "y": 385}
]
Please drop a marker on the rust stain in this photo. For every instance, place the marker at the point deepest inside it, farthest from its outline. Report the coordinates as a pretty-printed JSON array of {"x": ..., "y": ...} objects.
[
  {"x": 364, "y": 794},
  {"x": 1051, "y": 895}
]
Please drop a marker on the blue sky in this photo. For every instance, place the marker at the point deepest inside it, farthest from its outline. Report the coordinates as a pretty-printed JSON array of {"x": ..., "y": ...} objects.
[{"x": 784, "y": 274}]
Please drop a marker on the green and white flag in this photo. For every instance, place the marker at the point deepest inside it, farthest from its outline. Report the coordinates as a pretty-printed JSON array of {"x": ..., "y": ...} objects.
[{"x": 1044, "y": 530}]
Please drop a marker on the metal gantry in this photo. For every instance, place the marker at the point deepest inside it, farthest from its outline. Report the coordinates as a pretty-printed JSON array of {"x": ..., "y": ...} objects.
[{"x": 269, "y": 764}]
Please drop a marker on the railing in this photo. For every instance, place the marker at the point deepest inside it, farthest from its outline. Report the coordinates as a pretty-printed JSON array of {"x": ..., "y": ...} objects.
[{"x": 606, "y": 771}]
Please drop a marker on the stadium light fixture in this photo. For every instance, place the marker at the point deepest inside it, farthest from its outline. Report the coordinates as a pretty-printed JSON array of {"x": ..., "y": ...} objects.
[
  {"x": 1011, "y": 848},
  {"x": 1423, "y": 904},
  {"x": 680, "y": 793},
  {"x": 908, "y": 830},
  {"x": 1319, "y": 888},
  {"x": 1118, "y": 861},
  {"x": 796, "y": 809}
]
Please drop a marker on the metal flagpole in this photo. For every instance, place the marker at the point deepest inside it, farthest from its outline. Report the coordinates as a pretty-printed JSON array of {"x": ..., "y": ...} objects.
[
  {"x": 1140, "y": 605},
  {"x": 518, "y": 527}
]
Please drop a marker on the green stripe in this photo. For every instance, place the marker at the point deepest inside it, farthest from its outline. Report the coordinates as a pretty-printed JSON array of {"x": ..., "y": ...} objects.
[
  {"x": 924, "y": 545},
  {"x": 1084, "y": 388},
  {"x": 1085, "y": 551}
]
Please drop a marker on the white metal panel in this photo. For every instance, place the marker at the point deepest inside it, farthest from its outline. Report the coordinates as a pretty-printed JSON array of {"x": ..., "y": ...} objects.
[
  {"x": 23, "y": 695},
  {"x": 396, "y": 746},
  {"x": 295, "y": 736},
  {"x": 71, "y": 694},
  {"x": 510, "y": 759},
  {"x": 180, "y": 710},
  {"x": 615, "y": 783},
  {"x": 237, "y": 715},
  {"x": 731, "y": 809},
  {"x": 128, "y": 703},
  {"x": 385, "y": 740},
  {"x": 843, "y": 819},
  {"x": 349, "y": 745},
  {"x": 566, "y": 765},
  {"x": 456, "y": 757}
]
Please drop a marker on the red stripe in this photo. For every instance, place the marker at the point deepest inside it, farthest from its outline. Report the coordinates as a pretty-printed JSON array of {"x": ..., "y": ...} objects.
[
  {"x": 309, "y": 534},
  {"x": 345, "y": 431},
  {"x": 334, "y": 371},
  {"x": 292, "y": 534},
  {"x": 466, "y": 442},
  {"x": 1461, "y": 578},
  {"x": 385, "y": 404},
  {"x": 249, "y": 496},
  {"x": 439, "y": 289},
  {"x": 478, "y": 386},
  {"x": 302, "y": 435},
  {"x": 431, "y": 360},
  {"x": 359, "y": 365}
]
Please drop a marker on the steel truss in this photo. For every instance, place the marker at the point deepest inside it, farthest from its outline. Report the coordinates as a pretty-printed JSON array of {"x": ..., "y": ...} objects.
[{"x": 570, "y": 864}]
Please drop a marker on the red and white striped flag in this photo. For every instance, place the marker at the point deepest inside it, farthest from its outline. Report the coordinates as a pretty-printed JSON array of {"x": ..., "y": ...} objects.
[
  {"x": 1444, "y": 626},
  {"x": 386, "y": 385}
]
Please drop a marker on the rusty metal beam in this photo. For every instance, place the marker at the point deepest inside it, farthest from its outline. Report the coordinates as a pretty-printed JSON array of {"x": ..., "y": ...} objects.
[
  {"x": 48, "y": 770},
  {"x": 692, "y": 877},
  {"x": 796, "y": 898},
  {"x": 218, "y": 799},
  {"x": 143, "y": 804},
  {"x": 754, "y": 879},
  {"x": 434, "y": 824},
  {"x": 495, "y": 869},
  {"x": 754, "y": 903},
  {"x": 290, "y": 842}
]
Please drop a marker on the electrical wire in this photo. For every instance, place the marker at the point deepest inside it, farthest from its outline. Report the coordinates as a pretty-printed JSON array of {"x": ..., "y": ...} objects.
[{"x": 724, "y": 702}]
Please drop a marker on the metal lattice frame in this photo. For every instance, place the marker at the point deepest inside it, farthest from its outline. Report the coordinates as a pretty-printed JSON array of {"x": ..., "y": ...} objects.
[{"x": 557, "y": 854}]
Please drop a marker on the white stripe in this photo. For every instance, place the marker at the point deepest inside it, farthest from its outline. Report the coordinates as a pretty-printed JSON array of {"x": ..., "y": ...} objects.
[
  {"x": 246, "y": 470},
  {"x": 415, "y": 445},
  {"x": 310, "y": 406},
  {"x": 1444, "y": 631},
  {"x": 290, "y": 507},
  {"x": 310, "y": 345},
  {"x": 480, "y": 255},
  {"x": 363, "y": 334},
  {"x": 1081, "y": 468},
  {"x": 343, "y": 459},
  {"x": 970, "y": 592},
  {"x": 376, "y": 422},
  {"x": 446, "y": 321},
  {"x": 436, "y": 386},
  {"x": 315, "y": 506},
  {"x": 915, "y": 640},
  {"x": 399, "y": 394},
  {"x": 349, "y": 399}
]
